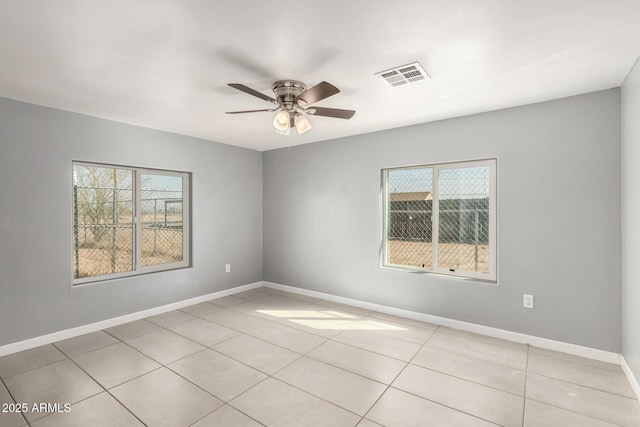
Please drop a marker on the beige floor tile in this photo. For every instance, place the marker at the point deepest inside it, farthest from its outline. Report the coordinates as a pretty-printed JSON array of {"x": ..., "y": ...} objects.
[
  {"x": 537, "y": 414},
  {"x": 13, "y": 417},
  {"x": 480, "y": 337},
  {"x": 61, "y": 382},
  {"x": 115, "y": 364},
  {"x": 403, "y": 320},
  {"x": 132, "y": 329},
  {"x": 27, "y": 360},
  {"x": 85, "y": 343},
  {"x": 490, "y": 374},
  {"x": 271, "y": 291},
  {"x": 301, "y": 297},
  {"x": 328, "y": 322},
  {"x": 588, "y": 376},
  {"x": 164, "y": 346},
  {"x": 513, "y": 354},
  {"x": 256, "y": 353},
  {"x": 263, "y": 311},
  {"x": 227, "y": 416},
  {"x": 218, "y": 374},
  {"x": 336, "y": 306},
  {"x": 170, "y": 318},
  {"x": 289, "y": 338},
  {"x": 399, "y": 409},
  {"x": 163, "y": 398},
  {"x": 287, "y": 302},
  {"x": 484, "y": 402},
  {"x": 583, "y": 400},
  {"x": 252, "y": 294},
  {"x": 235, "y": 320},
  {"x": 387, "y": 346},
  {"x": 401, "y": 331},
  {"x": 362, "y": 362},
  {"x": 101, "y": 410},
  {"x": 204, "y": 332},
  {"x": 201, "y": 309},
  {"x": 228, "y": 301},
  {"x": 274, "y": 403},
  {"x": 342, "y": 388},
  {"x": 575, "y": 359},
  {"x": 368, "y": 423},
  {"x": 321, "y": 329},
  {"x": 322, "y": 323}
]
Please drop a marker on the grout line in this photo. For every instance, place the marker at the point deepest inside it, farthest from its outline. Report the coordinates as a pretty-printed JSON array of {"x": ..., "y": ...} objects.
[
  {"x": 6, "y": 377},
  {"x": 586, "y": 386},
  {"x": 613, "y": 423},
  {"x": 446, "y": 406},
  {"x": 107, "y": 390},
  {"x": 13, "y": 399},
  {"x": 526, "y": 380}
]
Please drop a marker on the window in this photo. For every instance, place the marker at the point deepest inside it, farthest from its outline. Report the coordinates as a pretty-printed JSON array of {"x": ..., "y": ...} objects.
[
  {"x": 441, "y": 218},
  {"x": 128, "y": 221}
]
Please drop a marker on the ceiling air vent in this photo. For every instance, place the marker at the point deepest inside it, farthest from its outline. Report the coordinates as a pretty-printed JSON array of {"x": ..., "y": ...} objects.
[{"x": 406, "y": 74}]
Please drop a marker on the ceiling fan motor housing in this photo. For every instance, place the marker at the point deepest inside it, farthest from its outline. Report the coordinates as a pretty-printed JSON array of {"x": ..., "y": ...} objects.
[{"x": 287, "y": 93}]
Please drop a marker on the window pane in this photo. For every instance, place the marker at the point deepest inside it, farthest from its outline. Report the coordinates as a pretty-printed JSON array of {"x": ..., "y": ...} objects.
[
  {"x": 161, "y": 219},
  {"x": 463, "y": 239},
  {"x": 103, "y": 220},
  {"x": 410, "y": 201}
]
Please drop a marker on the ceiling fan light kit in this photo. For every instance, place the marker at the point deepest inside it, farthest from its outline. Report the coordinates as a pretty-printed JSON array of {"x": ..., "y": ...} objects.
[{"x": 292, "y": 100}]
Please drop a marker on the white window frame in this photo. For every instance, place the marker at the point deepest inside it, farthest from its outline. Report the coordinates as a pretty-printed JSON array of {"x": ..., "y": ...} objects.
[
  {"x": 491, "y": 276},
  {"x": 138, "y": 269}
]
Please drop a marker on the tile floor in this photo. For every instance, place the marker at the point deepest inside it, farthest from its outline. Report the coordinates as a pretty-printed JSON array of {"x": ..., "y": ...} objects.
[{"x": 266, "y": 357}]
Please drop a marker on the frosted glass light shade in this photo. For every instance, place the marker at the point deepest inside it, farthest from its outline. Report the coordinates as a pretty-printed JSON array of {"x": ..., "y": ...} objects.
[
  {"x": 302, "y": 124},
  {"x": 282, "y": 121}
]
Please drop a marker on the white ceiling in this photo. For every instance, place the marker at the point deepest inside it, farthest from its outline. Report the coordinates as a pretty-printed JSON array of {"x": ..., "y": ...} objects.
[{"x": 164, "y": 64}]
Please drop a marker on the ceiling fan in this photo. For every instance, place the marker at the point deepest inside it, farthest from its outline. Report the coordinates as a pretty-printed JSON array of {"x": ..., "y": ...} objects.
[{"x": 292, "y": 99}]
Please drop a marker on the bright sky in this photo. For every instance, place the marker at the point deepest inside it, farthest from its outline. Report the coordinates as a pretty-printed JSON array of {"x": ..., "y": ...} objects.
[{"x": 454, "y": 183}]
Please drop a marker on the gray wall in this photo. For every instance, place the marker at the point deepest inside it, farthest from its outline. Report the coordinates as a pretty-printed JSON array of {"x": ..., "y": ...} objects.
[
  {"x": 37, "y": 146},
  {"x": 558, "y": 218},
  {"x": 630, "y": 216}
]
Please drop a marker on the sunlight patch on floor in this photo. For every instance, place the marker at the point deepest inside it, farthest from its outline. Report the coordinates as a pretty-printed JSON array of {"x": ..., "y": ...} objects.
[
  {"x": 329, "y": 319},
  {"x": 307, "y": 314}
]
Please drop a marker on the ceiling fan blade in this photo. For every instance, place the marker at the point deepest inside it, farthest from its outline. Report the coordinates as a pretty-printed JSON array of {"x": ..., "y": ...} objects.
[
  {"x": 331, "y": 112},
  {"x": 250, "y": 111},
  {"x": 253, "y": 92},
  {"x": 317, "y": 93}
]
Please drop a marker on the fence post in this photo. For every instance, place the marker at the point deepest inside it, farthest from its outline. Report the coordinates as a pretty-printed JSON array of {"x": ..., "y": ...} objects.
[
  {"x": 155, "y": 225},
  {"x": 165, "y": 214},
  {"x": 113, "y": 234},
  {"x": 475, "y": 235},
  {"x": 76, "y": 243}
]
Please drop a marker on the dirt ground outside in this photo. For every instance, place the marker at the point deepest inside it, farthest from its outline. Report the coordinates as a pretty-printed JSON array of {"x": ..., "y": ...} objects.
[
  {"x": 99, "y": 256},
  {"x": 458, "y": 256}
]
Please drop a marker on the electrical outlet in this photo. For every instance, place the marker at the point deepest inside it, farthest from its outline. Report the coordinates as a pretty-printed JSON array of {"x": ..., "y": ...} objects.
[
  {"x": 227, "y": 268},
  {"x": 527, "y": 301}
]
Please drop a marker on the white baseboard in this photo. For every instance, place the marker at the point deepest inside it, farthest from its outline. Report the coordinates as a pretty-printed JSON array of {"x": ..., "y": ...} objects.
[
  {"x": 109, "y": 323},
  {"x": 576, "y": 350},
  {"x": 632, "y": 379}
]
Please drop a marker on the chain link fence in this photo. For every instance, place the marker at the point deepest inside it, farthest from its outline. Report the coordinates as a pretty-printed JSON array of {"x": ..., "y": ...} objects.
[
  {"x": 104, "y": 227},
  {"x": 161, "y": 226},
  {"x": 463, "y": 218}
]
